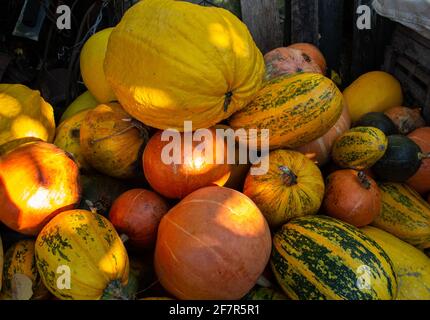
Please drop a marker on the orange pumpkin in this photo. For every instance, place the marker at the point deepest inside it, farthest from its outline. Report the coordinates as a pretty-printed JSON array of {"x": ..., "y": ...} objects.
[
  {"x": 213, "y": 245},
  {"x": 421, "y": 180},
  {"x": 319, "y": 150},
  {"x": 37, "y": 181},
  {"x": 284, "y": 61},
  {"x": 137, "y": 214},
  {"x": 353, "y": 197},
  {"x": 191, "y": 171},
  {"x": 406, "y": 119},
  {"x": 313, "y": 52}
]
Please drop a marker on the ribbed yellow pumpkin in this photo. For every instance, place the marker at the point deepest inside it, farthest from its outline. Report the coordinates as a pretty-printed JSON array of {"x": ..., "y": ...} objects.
[
  {"x": 296, "y": 109},
  {"x": 24, "y": 113},
  {"x": 170, "y": 61},
  {"x": 91, "y": 63},
  {"x": 375, "y": 91},
  {"x": 83, "y": 102},
  {"x": 87, "y": 245},
  {"x": 411, "y": 265}
]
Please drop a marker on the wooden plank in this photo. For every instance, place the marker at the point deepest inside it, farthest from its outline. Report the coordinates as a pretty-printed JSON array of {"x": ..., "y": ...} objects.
[
  {"x": 304, "y": 21},
  {"x": 263, "y": 21}
]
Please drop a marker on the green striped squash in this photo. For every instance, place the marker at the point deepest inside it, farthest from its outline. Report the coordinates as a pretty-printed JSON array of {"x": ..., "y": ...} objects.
[
  {"x": 296, "y": 109},
  {"x": 404, "y": 214},
  {"x": 359, "y": 148},
  {"x": 321, "y": 258}
]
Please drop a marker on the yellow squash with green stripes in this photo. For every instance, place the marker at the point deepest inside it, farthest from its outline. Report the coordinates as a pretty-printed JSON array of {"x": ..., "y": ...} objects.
[
  {"x": 404, "y": 214},
  {"x": 411, "y": 265},
  {"x": 321, "y": 258},
  {"x": 296, "y": 109},
  {"x": 81, "y": 257},
  {"x": 359, "y": 148}
]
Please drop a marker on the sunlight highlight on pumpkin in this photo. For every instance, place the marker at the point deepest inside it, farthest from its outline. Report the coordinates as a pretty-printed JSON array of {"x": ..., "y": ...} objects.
[
  {"x": 157, "y": 96},
  {"x": 219, "y": 36},
  {"x": 13, "y": 106},
  {"x": 38, "y": 199},
  {"x": 24, "y": 126}
]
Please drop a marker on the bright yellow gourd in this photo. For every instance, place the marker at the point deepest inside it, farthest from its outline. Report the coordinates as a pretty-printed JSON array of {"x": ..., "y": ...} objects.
[
  {"x": 24, "y": 113},
  {"x": 83, "y": 102},
  {"x": 170, "y": 61}
]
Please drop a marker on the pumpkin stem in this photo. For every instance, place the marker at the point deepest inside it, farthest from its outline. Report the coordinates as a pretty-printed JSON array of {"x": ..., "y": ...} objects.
[
  {"x": 114, "y": 291},
  {"x": 133, "y": 124},
  {"x": 124, "y": 238},
  {"x": 364, "y": 181},
  {"x": 227, "y": 100},
  {"x": 288, "y": 176}
]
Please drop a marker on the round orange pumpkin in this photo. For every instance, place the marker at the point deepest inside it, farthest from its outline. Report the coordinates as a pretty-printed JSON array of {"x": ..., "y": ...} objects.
[
  {"x": 176, "y": 178},
  {"x": 137, "y": 214},
  {"x": 213, "y": 245},
  {"x": 319, "y": 150},
  {"x": 313, "y": 52},
  {"x": 353, "y": 197},
  {"x": 37, "y": 181},
  {"x": 421, "y": 180},
  {"x": 284, "y": 61}
]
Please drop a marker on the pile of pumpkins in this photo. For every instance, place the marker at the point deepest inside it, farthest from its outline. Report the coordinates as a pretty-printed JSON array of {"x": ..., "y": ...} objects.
[{"x": 94, "y": 213}]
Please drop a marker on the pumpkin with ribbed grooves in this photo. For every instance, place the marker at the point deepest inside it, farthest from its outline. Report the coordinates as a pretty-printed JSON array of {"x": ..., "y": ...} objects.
[
  {"x": 411, "y": 265},
  {"x": 404, "y": 214},
  {"x": 420, "y": 181},
  {"x": 359, "y": 148},
  {"x": 37, "y": 181},
  {"x": 202, "y": 67},
  {"x": 292, "y": 187},
  {"x": 321, "y": 258},
  {"x": 295, "y": 109},
  {"x": 88, "y": 244}
]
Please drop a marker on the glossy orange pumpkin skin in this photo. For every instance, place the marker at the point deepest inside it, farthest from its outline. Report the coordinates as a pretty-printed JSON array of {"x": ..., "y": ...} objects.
[
  {"x": 137, "y": 214},
  {"x": 421, "y": 180},
  {"x": 37, "y": 181},
  {"x": 213, "y": 245},
  {"x": 284, "y": 61},
  {"x": 313, "y": 52},
  {"x": 175, "y": 181},
  {"x": 352, "y": 197},
  {"x": 319, "y": 150}
]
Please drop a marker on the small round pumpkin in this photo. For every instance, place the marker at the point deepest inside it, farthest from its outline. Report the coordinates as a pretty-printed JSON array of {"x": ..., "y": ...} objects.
[
  {"x": 87, "y": 245},
  {"x": 406, "y": 119},
  {"x": 313, "y": 52},
  {"x": 420, "y": 181},
  {"x": 176, "y": 178},
  {"x": 112, "y": 142},
  {"x": 37, "y": 181},
  {"x": 319, "y": 150},
  {"x": 293, "y": 187},
  {"x": 137, "y": 214},
  {"x": 213, "y": 245},
  {"x": 285, "y": 61},
  {"x": 353, "y": 197}
]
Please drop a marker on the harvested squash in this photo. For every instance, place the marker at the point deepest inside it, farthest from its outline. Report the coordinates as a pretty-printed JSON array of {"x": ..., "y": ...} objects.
[
  {"x": 313, "y": 52},
  {"x": 420, "y": 181},
  {"x": 406, "y": 119},
  {"x": 378, "y": 120},
  {"x": 84, "y": 102}
]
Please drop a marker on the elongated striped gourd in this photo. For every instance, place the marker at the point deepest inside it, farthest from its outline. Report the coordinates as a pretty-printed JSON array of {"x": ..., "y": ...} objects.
[
  {"x": 411, "y": 265},
  {"x": 296, "y": 109},
  {"x": 321, "y": 258},
  {"x": 404, "y": 214},
  {"x": 359, "y": 148}
]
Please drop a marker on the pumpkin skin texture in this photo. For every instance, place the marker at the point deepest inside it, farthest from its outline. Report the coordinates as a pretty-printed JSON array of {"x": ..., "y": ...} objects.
[
  {"x": 91, "y": 62},
  {"x": 404, "y": 214},
  {"x": 313, "y": 52},
  {"x": 112, "y": 142},
  {"x": 137, "y": 214},
  {"x": 88, "y": 244},
  {"x": 296, "y": 109},
  {"x": 321, "y": 258},
  {"x": 175, "y": 181},
  {"x": 375, "y": 91},
  {"x": 24, "y": 113},
  {"x": 213, "y": 245},
  {"x": 406, "y": 119},
  {"x": 287, "y": 61},
  {"x": 319, "y": 150},
  {"x": 84, "y": 102},
  {"x": 352, "y": 197},
  {"x": 359, "y": 148},
  {"x": 378, "y": 120},
  {"x": 37, "y": 181},
  {"x": 202, "y": 67},
  {"x": 293, "y": 187},
  {"x": 420, "y": 181},
  {"x": 411, "y": 265}
]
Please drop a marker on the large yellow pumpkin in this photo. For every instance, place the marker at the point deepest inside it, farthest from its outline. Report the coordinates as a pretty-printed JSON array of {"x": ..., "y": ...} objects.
[
  {"x": 169, "y": 61},
  {"x": 87, "y": 245},
  {"x": 24, "y": 113}
]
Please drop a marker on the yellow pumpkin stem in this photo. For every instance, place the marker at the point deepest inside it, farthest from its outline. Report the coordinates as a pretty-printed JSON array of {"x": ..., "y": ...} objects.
[
  {"x": 227, "y": 101},
  {"x": 288, "y": 176}
]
